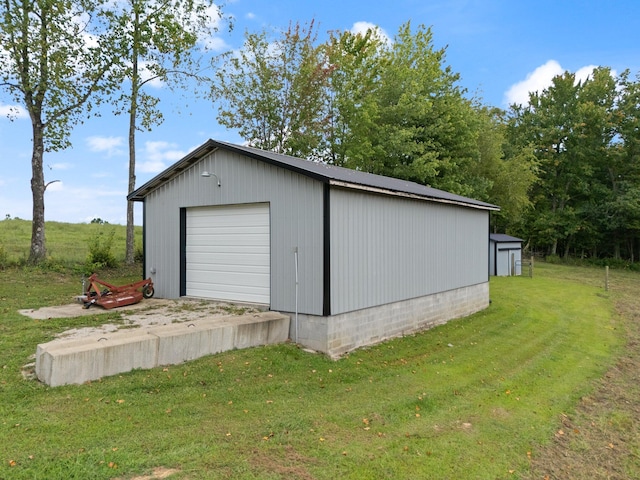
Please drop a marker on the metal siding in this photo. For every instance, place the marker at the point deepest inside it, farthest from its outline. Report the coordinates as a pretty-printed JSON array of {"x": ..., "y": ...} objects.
[
  {"x": 296, "y": 221},
  {"x": 385, "y": 249}
]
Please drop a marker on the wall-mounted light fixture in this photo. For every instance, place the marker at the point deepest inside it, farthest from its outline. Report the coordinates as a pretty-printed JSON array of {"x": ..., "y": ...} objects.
[{"x": 206, "y": 174}]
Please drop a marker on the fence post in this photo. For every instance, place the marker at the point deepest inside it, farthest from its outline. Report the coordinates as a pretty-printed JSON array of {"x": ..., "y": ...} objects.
[
  {"x": 513, "y": 264},
  {"x": 531, "y": 267},
  {"x": 606, "y": 278}
]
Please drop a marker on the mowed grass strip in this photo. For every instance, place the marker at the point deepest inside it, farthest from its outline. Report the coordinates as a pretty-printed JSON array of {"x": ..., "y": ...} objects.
[{"x": 470, "y": 399}]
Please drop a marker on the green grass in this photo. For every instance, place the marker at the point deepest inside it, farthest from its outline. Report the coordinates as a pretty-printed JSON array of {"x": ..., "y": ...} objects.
[
  {"x": 67, "y": 243},
  {"x": 471, "y": 399}
]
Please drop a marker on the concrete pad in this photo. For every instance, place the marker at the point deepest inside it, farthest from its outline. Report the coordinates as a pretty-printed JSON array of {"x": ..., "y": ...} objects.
[
  {"x": 78, "y": 360},
  {"x": 270, "y": 327},
  {"x": 182, "y": 342},
  {"x": 77, "y": 310}
]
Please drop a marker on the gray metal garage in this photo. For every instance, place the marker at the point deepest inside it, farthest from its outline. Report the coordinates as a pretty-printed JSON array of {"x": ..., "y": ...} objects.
[
  {"x": 354, "y": 257},
  {"x": 505, "y": 255}
]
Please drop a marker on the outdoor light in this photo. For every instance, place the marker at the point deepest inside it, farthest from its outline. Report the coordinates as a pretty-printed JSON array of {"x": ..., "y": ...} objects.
[{"x": 206, "y": 174}]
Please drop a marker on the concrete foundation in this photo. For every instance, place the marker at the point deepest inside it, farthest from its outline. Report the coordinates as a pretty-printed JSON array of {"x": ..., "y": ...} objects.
[
  {"x": 339, "y": 334},
  {"x": 79, "y": 360}
]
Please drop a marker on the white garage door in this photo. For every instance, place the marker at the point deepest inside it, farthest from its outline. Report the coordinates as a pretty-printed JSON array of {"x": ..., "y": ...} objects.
[{"x": 227, "y": 253}]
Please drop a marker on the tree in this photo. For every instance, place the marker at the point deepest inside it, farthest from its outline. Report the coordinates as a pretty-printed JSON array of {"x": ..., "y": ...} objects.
[
  {"x": 549, "y": 122},
  {"x": 501, "y": 174},
  {"x": 419, "y": 126},
  {"x": 584, "y": 135},
  {"x": 353, "y": 61},
  {"x": 273, "y": 89},
  {"x": 620, "y": 210},
  {"x": 52, "y": 63},
  {"x": 156, "y": 40}
]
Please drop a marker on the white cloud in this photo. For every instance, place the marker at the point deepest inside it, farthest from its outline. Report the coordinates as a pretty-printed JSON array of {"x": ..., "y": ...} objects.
[
  {"x": 147, "y": 75},
  {"x": 13, "y": 111},
  {"x": 213, "y": 43},
  {"x": 250, "y": 16},
  {"x": 536, "y": 81},
  {"x": 363, "y": 27},
  {"x": 540, "y": 79},
  {"x": 110, "y": 145},
  {"x": 158, "y": 156},
  {"x": 60, "y": 166},
  {"x": 584, "y": 73},
  {"x": 55, "y": 186}
]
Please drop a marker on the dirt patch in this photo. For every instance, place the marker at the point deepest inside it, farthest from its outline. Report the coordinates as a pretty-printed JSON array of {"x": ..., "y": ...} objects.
[
  {"x": 286, "y": 464},
  {"x": 157, "y": 474},
  {"x": 602, "y": 438}
]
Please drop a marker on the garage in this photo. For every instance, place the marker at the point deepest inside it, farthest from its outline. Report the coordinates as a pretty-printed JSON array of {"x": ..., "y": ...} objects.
[
  {"x": 505, "y": 255},
  {"x": 227, "y": 253},
  {"x": 353, "y": 257}
]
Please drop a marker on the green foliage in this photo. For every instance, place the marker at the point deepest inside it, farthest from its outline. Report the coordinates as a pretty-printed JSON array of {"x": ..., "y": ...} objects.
[
  {"x": 586, "y": 198},
  {"x": 273, "y": 91},
  {"x": 100, "y": 247},
  {"x": 4, "y": 258}
]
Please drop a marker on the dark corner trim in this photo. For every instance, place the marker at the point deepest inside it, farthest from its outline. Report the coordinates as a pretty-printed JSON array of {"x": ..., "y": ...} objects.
[
  {"x": 144, "y": 239},
  {"x": 183, "y": 252},
  {"x": 489, "y": 247},
  {"x": 326, "y": 252}
]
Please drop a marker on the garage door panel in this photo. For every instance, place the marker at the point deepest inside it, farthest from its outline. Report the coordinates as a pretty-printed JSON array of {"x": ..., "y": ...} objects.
[
  {"x": 223, "y": 274},
  {"x": 228, "y": 253},
  {"x": 222, "y": 231},
  {"x": 249, "y": 240},
  {"x": 202, "y": 261}
]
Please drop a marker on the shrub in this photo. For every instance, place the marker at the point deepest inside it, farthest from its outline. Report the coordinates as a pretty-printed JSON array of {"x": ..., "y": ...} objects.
[
  {"x": 100, "y": 254},
  {"x": 4, "y": 258}
]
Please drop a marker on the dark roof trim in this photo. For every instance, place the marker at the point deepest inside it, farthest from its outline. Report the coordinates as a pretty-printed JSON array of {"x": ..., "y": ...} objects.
[
  {"x": 503, "y": 238},
  {"x": 322, "y": 172}
]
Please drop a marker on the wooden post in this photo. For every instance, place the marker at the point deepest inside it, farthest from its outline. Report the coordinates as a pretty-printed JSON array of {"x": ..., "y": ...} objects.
[
  {"x": 513, "y": 264},
  {"x": 531, "y": 267},
  {"x": 606, "y": 278}
]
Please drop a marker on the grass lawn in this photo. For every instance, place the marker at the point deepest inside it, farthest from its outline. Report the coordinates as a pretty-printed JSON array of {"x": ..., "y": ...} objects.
[{"x": 482, "y": 397}]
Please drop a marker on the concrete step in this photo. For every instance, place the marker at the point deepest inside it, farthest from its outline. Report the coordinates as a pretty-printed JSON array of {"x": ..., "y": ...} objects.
[{"x": 78, "y": 360}]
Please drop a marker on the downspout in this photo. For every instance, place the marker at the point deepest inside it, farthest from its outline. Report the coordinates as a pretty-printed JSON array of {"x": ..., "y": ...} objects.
[{"x": 295, "y": 255}]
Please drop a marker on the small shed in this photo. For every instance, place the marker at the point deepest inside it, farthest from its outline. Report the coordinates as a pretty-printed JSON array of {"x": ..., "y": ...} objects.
[
  {"x": 505, "y": 255},
  {"x": 353, "y": 257}
]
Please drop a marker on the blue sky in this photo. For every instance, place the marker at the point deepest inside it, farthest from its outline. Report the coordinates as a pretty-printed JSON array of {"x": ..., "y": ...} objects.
[{"x": 501, "y": 48}]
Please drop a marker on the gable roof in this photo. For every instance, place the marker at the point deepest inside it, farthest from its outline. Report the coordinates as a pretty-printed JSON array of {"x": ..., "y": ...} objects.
[
  {"x": 325, "y": 173},
  {"x": 502, "y": 238}
]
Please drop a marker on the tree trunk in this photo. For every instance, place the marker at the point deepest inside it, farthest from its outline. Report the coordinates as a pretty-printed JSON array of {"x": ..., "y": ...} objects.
[
  {"x": 38, "y": 250},
  {"x": 130, "y": 248},
  {"x": 133, "y": 113},
  {"x": 567, "y": 248}
]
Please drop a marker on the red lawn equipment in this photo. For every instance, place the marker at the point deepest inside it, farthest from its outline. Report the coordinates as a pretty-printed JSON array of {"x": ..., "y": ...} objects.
[{"x": 108, "y": 296}]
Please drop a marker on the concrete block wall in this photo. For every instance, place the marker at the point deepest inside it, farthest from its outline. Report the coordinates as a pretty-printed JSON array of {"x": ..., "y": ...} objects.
[
  {"x": 345, "y": 332},
  {"x": 75, "y": 361}
]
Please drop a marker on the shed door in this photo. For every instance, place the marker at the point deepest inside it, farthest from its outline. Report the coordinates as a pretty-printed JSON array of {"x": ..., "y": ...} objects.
[{"x": 227, "y": 253}]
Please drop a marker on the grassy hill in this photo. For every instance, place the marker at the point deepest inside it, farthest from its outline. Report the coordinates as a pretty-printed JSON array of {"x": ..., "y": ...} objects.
[{"x": 67, "y": 243}]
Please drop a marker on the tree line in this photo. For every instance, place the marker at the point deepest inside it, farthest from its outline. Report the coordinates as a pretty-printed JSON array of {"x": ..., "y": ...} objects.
[{"x": 564, "y": 168}]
